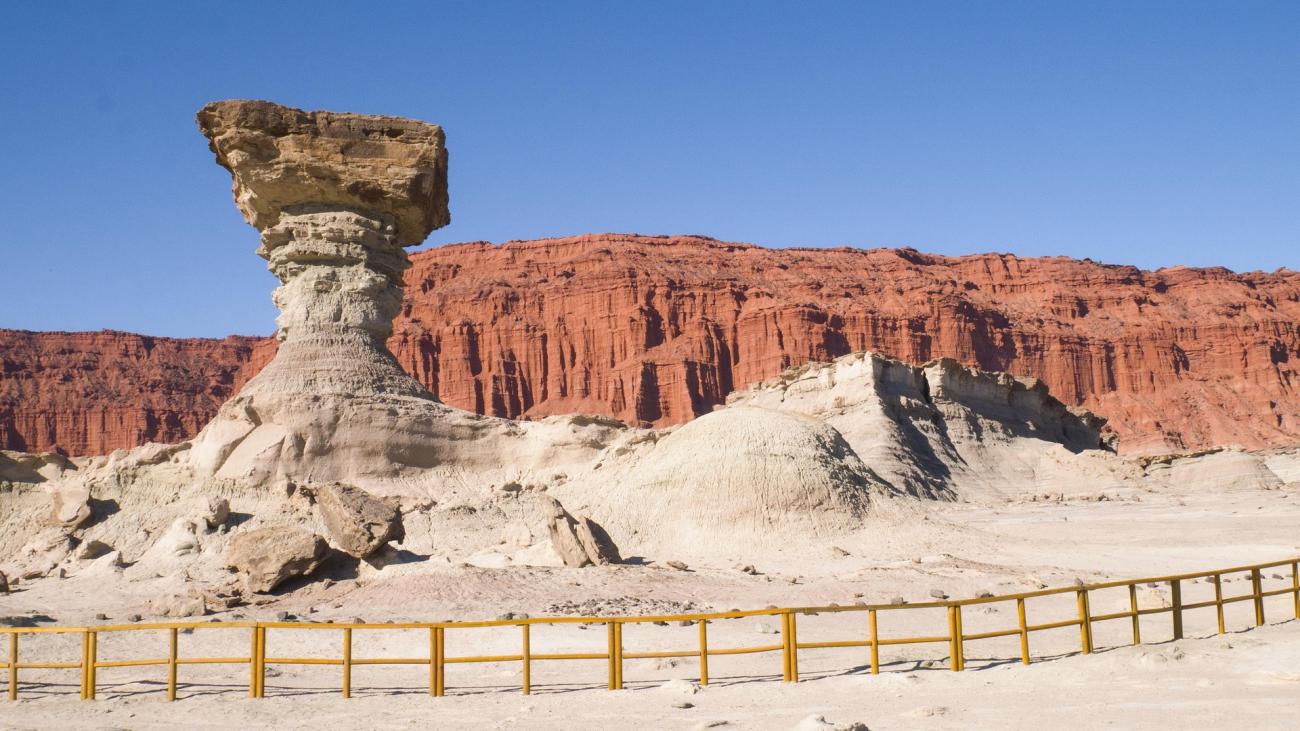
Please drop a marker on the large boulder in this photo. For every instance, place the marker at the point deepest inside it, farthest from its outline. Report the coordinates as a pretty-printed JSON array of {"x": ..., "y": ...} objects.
[
  {"x": 579, "y": 542},
  {"x": 69, "y": 506},
  {"x": 267, "y": 557},
  {"x": 213, "y": 510},
  {"x": 188, "y": 603},
  {"x": 359, "y": 523},
  {"x": 596, "y": 542}
]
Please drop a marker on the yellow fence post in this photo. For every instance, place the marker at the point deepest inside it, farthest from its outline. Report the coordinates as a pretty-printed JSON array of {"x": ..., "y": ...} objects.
[
  {"x": 347, "y": 662},
  {"x": 1137, "y": 618},
  {"x": 704, "y": 652},
  {"x": 875, "y": 642},
  {"x": 90, "y": 669},
  {"x": 1176, "y": 590},
  {"x": 528, "y": 659},
  {"x": 1295, "y": 586},
  {"x": 261, "y": 661},
  {"x": 1218, "y": 600},
  {"x": 1085, "y": 622},
  {"x": 618, "y": 651},
  {"x": 85, "y": 660},
  {"x": 433, "y": 661},
  {"x": 171, "y": 664},
  {"x": 609, "y": 650},
  {"x": 794, "y": 648},
  {"x": 252, "y": 662},
  {"x": 956, "y": 642},
  {"x": 441, "y": 663},
  {"x": 1024, "y": 630},
  {"x": 785, "y": 647},
  {"x": 13, "y": 666},
  {"x": 1257, "y": 586}
]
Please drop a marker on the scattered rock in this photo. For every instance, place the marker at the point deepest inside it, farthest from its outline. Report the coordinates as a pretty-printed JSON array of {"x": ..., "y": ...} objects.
[
  {"x": 938, "y": 593},
  {"x": 767, "y": 628},
  {"x": 4, "y": 583},
  {"x": 898, "y": 601},
  {"x": 596, "y": 542},
  {"x": 680, "y": 686},
  {"x": 818, "y": 722},
  {"x": 579, "y": 542},
  {"x": 214, "y": 511},
  {"x": 838, "y": 552},
  {"x": 184, "y": 604},
  {"x": 69, "y": 506},
  {"x": 984, "y": 595},
  {"x": 133, "y": 618},
  {"x": 512, "y": 615},
  {"x": 93, "y": 549},
  {"x": 358, "y": 522},
  {"x": 748, "y": 569},
  {"x": 267, "y": 557},
  {"x": 683, "y": 704},
  {"x": 677, "y": 565},
  {"x": 101, "y": 617}
]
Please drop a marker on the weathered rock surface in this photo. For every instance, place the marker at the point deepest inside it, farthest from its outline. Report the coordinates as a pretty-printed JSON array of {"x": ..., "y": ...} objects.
[
  {"x": 660, "y": 329},
  {"x": 336, "y": 198},
  {"x": 214, "y": 511},
  {"x": 69, "y": 505},
  {"x": 282, "y": 158},
  {"x": 188, "y": 603},
  {"x": 359, "y": 523},
  {"x": 267, "y": 557},
  {"x": 578, "y": 541},
  {"x": 93, "y": 392}
]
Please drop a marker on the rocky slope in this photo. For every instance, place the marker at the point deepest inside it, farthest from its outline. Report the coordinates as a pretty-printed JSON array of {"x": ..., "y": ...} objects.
[{"x": 658, "y": 330}]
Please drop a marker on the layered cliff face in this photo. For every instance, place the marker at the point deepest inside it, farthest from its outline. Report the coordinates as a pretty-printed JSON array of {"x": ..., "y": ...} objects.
[
  {"x": 93, "y": 392},
  {"x": 658, "y": 330}
]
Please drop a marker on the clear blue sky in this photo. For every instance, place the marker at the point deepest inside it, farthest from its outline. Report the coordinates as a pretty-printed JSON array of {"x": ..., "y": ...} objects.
[{"x": 1147, "y": 133}]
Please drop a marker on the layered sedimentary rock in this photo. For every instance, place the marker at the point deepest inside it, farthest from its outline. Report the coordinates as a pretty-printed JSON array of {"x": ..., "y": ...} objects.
[
  {"x": 659, "y": 330},
  {"x": 336, "y": 198}
]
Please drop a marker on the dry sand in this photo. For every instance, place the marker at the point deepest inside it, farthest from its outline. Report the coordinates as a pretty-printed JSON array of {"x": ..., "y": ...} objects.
[{"x": 1247, "y": 679}]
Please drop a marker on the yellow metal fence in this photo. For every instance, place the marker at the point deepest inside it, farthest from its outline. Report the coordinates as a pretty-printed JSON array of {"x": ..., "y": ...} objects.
[{"x": 615, "y": 653}]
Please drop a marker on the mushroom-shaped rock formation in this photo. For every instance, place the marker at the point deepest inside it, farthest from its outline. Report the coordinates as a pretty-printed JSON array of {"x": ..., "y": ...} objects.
[{"x": 336, "y": 198}]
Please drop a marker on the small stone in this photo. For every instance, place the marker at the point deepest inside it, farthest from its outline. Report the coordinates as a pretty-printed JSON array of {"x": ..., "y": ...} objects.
[
  {"x": 660, "y": 624},
  {"x": 101, "y": 617},
  {"x": 766, "y": 628},
  {"x": 677, "y": 565},
  {"x": 685, "y": 623},
  {"x": 984, "y": 595},
  {"x": 838, "y": 552},
  {"x": 93, "y": 549},
  {"x": 283, "y": 616},
  {"x": 938, "y": 593},
  {"x": 4, "y": 583},
  {"x": 898, "y": 601},
  {"x": 133, "y": 618},
  {"x": 683, "y": 704},
  {"x": 748, "y": 569}
]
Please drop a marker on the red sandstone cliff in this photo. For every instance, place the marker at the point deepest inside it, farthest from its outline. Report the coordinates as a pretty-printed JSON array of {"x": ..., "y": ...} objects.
[{"x": 660, "y": 329}]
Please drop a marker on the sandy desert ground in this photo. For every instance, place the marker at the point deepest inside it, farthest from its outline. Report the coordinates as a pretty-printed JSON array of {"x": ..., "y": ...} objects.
[{"x": 1248, "y": 678}]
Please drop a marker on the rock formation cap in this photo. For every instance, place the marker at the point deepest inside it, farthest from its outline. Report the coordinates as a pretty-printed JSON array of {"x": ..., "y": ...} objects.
[{"x": 283, "y": 158}]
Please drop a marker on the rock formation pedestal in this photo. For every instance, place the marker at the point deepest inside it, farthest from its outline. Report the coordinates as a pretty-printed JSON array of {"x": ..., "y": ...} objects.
[{"x": 336, "y": 197}]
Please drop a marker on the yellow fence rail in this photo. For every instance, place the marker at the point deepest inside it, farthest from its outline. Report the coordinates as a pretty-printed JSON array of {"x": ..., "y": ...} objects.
[{"x": 615, "y": 654}]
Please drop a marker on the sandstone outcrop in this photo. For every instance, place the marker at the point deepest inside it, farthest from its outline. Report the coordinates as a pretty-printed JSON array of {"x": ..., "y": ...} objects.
[
  {"x": 336, "y": 198},
  {"x": 359, "y": 523},
  {"x": 577, "y": 541},
  {"x": 267, "y": 557},
  {"x": 659, "y": 330},
  {"x": 70, "y": 506}
]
